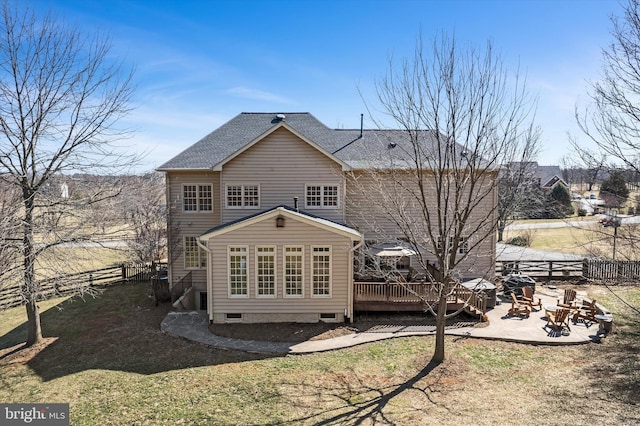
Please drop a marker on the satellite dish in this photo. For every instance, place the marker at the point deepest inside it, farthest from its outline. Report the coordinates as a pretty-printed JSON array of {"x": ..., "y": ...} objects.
[{"x": 281, "y": 116}]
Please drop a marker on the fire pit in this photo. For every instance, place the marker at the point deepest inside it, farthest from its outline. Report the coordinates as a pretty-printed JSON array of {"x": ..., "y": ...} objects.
[{"x": 515, "y": 282}]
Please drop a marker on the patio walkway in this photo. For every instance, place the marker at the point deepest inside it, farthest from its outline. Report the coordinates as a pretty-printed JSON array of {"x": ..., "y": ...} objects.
[{"x": 194, "y": 326}]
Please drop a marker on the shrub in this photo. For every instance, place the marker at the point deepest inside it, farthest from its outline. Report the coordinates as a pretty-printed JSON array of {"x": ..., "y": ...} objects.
[{"x": 520, "y": 240}]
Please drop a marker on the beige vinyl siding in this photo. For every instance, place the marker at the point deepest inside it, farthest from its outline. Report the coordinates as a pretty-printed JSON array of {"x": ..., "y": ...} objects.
[
  {"x": 282, "y": 164},
  {"x": 189, "y": 223},
  {"x": 365, "y": 212},
  {"x": 294, "y": 233}
]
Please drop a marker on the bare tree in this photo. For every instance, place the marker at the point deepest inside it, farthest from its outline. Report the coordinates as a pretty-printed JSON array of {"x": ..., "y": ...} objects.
[
  {"x": 9, "y": 231},
  {"x": 145, "y": 211},
  {"x": 462, "y": 118},
  {"x": 60, "y": 99},
  {"x": 518, "y": 192},
  {"x": 612, "y": 122}
]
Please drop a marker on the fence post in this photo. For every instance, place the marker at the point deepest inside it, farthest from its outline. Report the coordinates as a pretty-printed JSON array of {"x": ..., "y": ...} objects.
[{"x": 124, "y": 272}]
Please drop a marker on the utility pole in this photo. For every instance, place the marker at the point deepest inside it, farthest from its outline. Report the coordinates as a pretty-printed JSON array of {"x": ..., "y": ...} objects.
[{"x": 616, "y": 224}]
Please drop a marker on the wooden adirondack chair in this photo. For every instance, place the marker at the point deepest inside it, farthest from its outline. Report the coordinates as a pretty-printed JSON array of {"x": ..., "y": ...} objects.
[
  {"x": 569, "y": 299},
  {"x": 558, "y": 319},
  {"x": 527, "y": 298},
  {"x": 518, "y": 308},
  {"x": 587, "y": 312}
]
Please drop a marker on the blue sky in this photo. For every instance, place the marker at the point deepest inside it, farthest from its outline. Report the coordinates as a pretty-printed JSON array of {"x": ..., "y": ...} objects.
[{"x": 200, "y": 63}]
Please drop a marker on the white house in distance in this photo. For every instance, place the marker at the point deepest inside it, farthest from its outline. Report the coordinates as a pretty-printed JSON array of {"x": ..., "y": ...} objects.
[{"x": 259, "y": 224}]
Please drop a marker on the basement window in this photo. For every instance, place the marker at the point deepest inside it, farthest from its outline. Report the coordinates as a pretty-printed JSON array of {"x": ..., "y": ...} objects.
[
  {"x": 327, "y": 316},
  {"x": 234, "y": 316}
]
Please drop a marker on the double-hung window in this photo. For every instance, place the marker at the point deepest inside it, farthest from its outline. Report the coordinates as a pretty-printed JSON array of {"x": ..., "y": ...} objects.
[
  {"x": 265, "y": 271},
  {"x": 238, "y": 275},
  {"x": 321, "y": 271},
  {"x": 243, "y": 196},
  {"x": 194, "y": 256},
  {"x": 197, "y": 198},
  {"x": 463, "y": 244},
  {"x": 293, "y": 271},
  {"x": 321, "y": 196}
]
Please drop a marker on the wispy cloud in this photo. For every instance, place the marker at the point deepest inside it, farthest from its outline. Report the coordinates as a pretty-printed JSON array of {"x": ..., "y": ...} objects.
[{"x": 258, "y": 95}]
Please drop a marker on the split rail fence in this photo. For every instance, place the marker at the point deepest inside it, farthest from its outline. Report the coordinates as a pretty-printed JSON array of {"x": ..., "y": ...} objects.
[
  {"x": 74, "y": 283},
  {"x": 592, "y": 269}
]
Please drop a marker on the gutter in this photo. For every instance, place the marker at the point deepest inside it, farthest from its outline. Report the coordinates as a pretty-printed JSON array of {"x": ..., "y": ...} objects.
[{"x": 349, "y": 308}]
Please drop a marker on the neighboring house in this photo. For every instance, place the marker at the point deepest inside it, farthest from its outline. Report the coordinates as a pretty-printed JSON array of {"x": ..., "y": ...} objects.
[
  {"x": 550, "y": 176},
  {"x": 260, "y": 226},
  {"x": 545, "y": 177}
]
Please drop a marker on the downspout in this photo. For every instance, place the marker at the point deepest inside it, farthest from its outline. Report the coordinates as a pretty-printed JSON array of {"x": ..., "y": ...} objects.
[
  {"x": 209, "y": 281},
  {"x": 349, "y": 309},
  {"x": 167, "y": 197}
]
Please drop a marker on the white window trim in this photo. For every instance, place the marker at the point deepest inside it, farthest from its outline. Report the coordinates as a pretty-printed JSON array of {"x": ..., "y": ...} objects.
[
  {"x": 274, "y": 254},
  {"x": 463, "y": 247},
  {"x": 197, "y": 185},
  {"x": 243, "y": 206},
  {"x": 246, "y": 254},
  {"x": 322, "y": 187},
  {"x": 201, "y": 254},
  {"x": 284, "y": 272},
  {"x": 330, "y": 253}
]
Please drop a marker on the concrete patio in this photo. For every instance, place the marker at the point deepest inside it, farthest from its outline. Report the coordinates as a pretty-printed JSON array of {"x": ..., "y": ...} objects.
[{"x": 194, "y": 326}]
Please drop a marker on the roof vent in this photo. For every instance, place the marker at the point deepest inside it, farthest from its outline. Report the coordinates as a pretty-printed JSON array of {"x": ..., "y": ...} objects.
[
  {"x": 281, "y": 116},
  {"x": 392, "y": 145}
]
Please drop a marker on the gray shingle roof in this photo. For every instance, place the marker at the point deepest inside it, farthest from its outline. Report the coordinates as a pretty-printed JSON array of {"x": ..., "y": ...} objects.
[
  {"x": 547, "y": 173},
  {"x": 375, "y": 147},
  {"x": 235, "y": 134}
]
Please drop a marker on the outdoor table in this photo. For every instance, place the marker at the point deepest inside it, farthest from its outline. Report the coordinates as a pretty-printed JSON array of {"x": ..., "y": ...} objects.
[
  {"x": 550, "y": 309},
  {"x": 605, "y": 323}
]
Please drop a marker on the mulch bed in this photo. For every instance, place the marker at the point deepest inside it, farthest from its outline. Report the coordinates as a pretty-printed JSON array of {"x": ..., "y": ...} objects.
[{"x": 300, "y": 332}]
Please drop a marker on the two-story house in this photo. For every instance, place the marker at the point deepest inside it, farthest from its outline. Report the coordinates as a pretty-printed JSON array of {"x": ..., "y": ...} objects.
[{"x": 260, "y": 228}]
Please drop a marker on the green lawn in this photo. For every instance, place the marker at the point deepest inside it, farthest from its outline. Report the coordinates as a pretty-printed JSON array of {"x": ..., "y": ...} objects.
[{"x": 107, "y": 358}]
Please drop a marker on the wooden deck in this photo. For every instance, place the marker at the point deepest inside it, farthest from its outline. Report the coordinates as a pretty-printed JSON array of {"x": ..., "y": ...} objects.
[{"x": 388, "y": 296}]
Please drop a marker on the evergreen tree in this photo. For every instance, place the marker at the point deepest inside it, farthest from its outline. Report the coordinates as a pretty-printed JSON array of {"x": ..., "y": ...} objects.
[
  {"x": 560, "y": 202},
  {"x": 614, "y": 189}
]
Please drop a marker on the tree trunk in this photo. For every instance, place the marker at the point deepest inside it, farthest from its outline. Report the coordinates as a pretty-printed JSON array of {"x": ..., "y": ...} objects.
[
  {"x": 30, "y": 286},
  {"x": 34, "y": 331},
  {"x": 500, "y": 233},
  {"x": 441, "y": 322}
]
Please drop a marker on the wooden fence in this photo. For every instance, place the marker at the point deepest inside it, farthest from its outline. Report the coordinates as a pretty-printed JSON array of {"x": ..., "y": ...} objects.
[
  {"x": 550, "y": 269},
  {"x": 81, "y": 281},
  {"x": 620, "y": 271},
  {"x": 592, "y": 269}
]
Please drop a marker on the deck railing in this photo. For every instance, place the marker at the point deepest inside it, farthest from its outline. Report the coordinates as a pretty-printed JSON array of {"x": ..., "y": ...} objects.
[{"x": 396, "y": 294}]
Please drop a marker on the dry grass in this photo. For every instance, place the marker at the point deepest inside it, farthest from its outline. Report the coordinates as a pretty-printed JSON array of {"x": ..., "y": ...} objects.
[
  {"x": 108, "y": 358},
  {"x": 589, "y": 239}
]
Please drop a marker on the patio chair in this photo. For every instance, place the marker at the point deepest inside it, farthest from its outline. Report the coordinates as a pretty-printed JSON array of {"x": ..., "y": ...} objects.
[
  {"x": 569, "y": 299},
  {"x": 587, "y": 312},
  {"x": 518, "y": 308},
  {"x": 527, "y": 298},
  {"x": 558, "y": 319}
]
